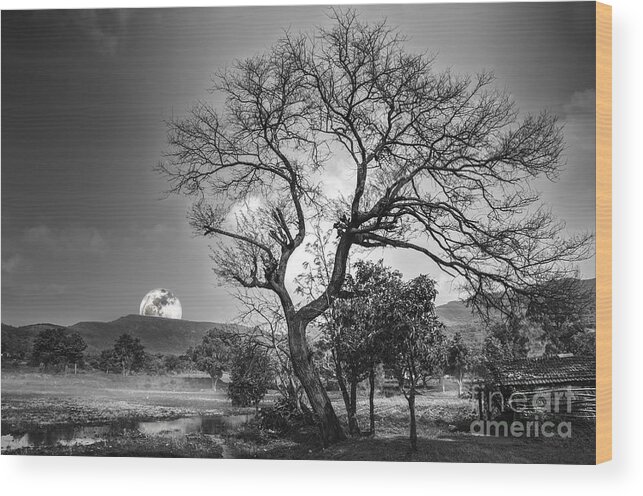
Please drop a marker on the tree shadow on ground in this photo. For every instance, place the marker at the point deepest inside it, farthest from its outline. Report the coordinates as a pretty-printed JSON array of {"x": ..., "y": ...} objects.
[{"x": 459, "y": 447}]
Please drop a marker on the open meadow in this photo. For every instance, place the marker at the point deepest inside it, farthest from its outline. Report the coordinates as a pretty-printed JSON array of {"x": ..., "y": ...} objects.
[{"x": 96, "y": 414}]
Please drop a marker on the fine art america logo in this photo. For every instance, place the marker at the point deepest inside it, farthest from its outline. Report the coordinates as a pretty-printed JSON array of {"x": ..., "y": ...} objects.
[{"x": 543, "y": 405}]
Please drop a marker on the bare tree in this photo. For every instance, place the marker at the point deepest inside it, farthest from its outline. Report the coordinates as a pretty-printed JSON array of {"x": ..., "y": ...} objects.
[{"x": 440, "y": 164}]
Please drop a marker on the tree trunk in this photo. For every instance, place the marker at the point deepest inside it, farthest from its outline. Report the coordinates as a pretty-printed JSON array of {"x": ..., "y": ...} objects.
[
  {"x": 342, "y": 387},
  {"x": 215, "y": 381},
  {"x": 413, "y": 436},
  {"x": 330, "y": 429},
  {"x": 353, "y": 426},
  {"x": 292, "y": 392},
  {"x": 371, "y": 399}
]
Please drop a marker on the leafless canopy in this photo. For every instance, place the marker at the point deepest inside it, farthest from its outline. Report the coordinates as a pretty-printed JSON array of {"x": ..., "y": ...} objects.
[{"x": 441, "y": 164}]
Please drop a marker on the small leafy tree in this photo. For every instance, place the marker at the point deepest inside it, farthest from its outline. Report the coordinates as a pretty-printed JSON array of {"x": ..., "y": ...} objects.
[
  {"x": 75, "y": 346},
  {"x": 174, "y": 364},
  {"x": 213, "y": 354},
  {"x": 355, "y": 333},
  {"x": 129, "y": 353},
  {"x": 325, "y": 364},
  {"x": 48, "y": 348},
  {"x": 108, "y": 362},
  {"x": 153, "y": 364},
  {"x": 15, "y": 345},
  {"x": 457, "y": 359},
  {"x": 54, "y": 347},
  {"x": 505, "y": 341},
  {"x": 567, "y": 317},
  {"x": 416, "y": 340},
  {"x": 251, "y": 374}
]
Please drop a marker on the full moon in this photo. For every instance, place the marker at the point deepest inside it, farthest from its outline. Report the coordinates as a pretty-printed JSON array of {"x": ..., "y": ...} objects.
[{"x": 161, "y": 303}]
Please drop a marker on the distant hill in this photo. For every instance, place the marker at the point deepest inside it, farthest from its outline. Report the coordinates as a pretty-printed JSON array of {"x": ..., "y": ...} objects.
[
  {"x": 455, "y": 313},
  {"x": 32, "y": 329},
  {"x": 457, "y": 317},
  {"x": 158, "y": 335},
  {"x": 16, "y": 341},
  {"x": 174, "y": 336},
  {"x": 27, "y": 332}
]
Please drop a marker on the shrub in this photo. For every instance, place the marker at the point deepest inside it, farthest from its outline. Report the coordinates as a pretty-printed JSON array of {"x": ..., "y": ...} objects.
[
  {"x": 250, "y": 374},
  {"x": 283, "y": 416}
]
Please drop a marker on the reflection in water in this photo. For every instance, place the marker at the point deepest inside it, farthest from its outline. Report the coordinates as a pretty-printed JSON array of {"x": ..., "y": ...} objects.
[
  {"x": 85, "y": 435},
  {"x": 192, "y": 425}
]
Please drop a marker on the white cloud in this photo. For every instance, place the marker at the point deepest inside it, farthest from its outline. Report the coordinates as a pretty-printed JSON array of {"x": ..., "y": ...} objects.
[
  {"x": 10, "y": 264},
  {"x": 67, "y": 240},
  {"x": 581, "y": 103},
  {"x": 105, "y": 27}
]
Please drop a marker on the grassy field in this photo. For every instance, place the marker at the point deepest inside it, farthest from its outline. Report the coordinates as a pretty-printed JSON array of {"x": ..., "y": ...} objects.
[
  {"x": 32, "y": 400},
  {"x": 443, "y": 431}
]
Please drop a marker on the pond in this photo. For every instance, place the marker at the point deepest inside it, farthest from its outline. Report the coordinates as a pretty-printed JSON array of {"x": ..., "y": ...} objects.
[{"x": 67, "y": 435}]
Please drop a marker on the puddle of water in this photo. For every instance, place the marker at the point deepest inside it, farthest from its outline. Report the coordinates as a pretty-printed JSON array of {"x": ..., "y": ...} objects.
[
  {"x": 193, "y": 425},
  {"x": 85, "y": 435},
  {"x": 80, "y": 441}
]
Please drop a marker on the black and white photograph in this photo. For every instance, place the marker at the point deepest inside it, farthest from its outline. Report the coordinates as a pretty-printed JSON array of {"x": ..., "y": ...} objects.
[{"x": 316, "y": 232}]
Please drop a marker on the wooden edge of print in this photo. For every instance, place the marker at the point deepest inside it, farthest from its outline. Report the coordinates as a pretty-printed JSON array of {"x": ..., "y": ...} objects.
[{"x": 603, "y": 232}]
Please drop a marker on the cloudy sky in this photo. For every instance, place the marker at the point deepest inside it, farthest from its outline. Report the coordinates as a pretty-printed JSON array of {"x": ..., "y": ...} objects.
[{"x": 86, "y": 228}]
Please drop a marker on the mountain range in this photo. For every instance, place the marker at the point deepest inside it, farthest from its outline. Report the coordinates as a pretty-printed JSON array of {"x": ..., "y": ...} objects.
[
  {"x": 173, "y": 336},
  {"x": 158, "y": 335}
]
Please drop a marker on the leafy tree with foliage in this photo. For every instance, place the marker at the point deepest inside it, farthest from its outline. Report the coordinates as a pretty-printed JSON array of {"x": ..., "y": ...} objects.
[
  {"x": 214, "y": 353},
  {"x": 458, "y": 359},
  {"x": 153, "y": 364},
  {"x": 175, "y": 364},
  {"x": 415, "y": 341},
  {"x": 325, "y": 364},
  {"x": 75, "y": 346},
  {"x": 108, "y": 362},
  {"x": 49, "y": 348},
  {"x": 251, "y": 374},
  {"x": 129, "y": 353},
  {"x": 567, "y": 317},
  {"x": 505, "y": 340},
  {"x": 355, "y": 332},
  {"x": 55, "y": 347},
  {"x": 15, "y": 345},
  {"x": 441, "y": 164}
]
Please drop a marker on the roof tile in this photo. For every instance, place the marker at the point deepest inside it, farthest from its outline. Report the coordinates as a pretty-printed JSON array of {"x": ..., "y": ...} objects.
[{"x": 546, "y": 370}]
